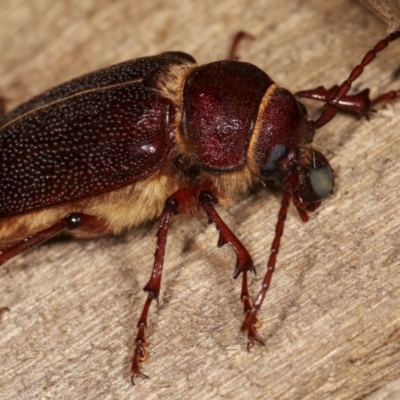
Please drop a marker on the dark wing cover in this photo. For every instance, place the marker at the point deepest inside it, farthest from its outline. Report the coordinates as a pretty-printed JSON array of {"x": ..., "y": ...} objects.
[
  {"x": 87, "y": 143},
  {"x": 128, "y": 71}
]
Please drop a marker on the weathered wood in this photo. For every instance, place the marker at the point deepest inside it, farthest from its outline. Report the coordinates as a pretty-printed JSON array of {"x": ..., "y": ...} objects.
[
  {"x": 387, "y": 10},
  {"x": 330, "y": 322}
]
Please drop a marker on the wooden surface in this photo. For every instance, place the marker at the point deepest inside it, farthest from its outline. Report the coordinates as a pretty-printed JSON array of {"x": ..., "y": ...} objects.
[
  {"x": 387, "y": 10},
  {"x": 331, "y": 321}
]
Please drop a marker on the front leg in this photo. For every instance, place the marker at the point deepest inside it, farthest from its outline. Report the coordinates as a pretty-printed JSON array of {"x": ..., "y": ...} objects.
[
  {"x": 359, "y": 103},
  {"x": 337, "y": 98}
]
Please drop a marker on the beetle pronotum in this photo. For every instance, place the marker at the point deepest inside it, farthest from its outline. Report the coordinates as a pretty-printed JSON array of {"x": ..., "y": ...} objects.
[{"x": 88, "y": 157}]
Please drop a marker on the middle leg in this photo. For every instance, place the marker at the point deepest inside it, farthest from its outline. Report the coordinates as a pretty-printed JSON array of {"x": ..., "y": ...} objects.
[{"x": 244, "y": 262}]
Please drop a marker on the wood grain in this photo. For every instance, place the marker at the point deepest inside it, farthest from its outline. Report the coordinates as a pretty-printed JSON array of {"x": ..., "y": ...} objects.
[
  {"x": 330, "y": 322},
  {"x": 387, "y": 10}
]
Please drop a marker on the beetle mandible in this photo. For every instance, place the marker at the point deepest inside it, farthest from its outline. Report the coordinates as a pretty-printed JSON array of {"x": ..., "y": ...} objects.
[{"x": 158, "y": 136}]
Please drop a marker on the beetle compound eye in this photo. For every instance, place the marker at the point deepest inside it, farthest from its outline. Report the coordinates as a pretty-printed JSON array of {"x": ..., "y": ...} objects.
[
  {"x": 316, "y": 181},
  {"x": 321, "y": 181}
]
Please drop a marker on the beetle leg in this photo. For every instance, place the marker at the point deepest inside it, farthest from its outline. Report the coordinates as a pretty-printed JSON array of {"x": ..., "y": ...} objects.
[
  {"x": 75, "y": 221},
  {"x": 252, "y": 315},
  {"x": 383, "y": 98},
  {"x": 319, "y": 93},
  {"x": 152, "y": 287},
  {"x": 359, "y": 103},
  {"x": 337, "y": 97},
  {"x": 244, "y": 262}
]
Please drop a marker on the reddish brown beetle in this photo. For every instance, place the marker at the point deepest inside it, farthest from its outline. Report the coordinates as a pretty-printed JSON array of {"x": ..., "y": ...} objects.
[{"x": 157, "y": 136}]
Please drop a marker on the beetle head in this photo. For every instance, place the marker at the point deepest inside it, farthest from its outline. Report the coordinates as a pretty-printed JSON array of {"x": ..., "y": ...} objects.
[{"x": 283, "y": 150}]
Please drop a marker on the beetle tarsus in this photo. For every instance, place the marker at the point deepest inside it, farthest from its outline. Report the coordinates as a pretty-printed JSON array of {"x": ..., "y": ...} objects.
[
  {"x": 252, "y": 337},
  {"x": 153, "y": 286},
  {"x": 139, "y": 355},
  {"x": 138, "y": 375},
  {"x": 386, "y": 97},
  {"x": 251, "y": 329},
  {"x": 252, "y": 341}
]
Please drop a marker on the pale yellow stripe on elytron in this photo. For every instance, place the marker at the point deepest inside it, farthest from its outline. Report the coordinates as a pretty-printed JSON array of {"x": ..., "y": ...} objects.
[
  {"x": 250, "y": 156},
  {"x": 172, "y": 87}
]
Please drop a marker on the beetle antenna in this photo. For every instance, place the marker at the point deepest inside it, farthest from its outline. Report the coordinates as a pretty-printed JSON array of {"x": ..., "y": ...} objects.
[
  {"x": 251, "y": 317},
  {"x": 330, "y": 108},
  {"x": 239, "y": 37}
]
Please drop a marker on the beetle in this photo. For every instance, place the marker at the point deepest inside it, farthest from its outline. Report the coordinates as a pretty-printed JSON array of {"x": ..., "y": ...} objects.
[{"x": 158, "y": 136}]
